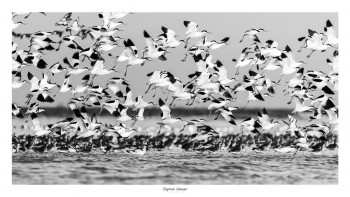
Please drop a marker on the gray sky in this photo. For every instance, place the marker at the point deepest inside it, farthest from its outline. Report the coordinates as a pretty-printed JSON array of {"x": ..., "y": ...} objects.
[{"x": 284, "y": 28}]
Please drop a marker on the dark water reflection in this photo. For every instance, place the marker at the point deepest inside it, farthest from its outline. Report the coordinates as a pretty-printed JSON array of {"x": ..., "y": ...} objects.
[{"x": 173, "y": 167}]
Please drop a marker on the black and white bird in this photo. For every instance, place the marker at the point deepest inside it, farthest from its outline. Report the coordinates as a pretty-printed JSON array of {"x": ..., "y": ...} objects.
[
  {"x": 299, "y": 105},
  {"x": 69, "y": 40},
  {"x": 64, "y": 21},
  {"x": 222, "y": 73},
  {"x": 34, "y": 108},
  {"x": 16, "y": 111},
  {"x": 252, "y": 33},
  {"x": 330, "y": 33},
  {"x": 17, "y": 81},
  {"x": 36, "y": 60},
  {"x": 288, "y": 63},
  {"x": 265, "y": 121},
  {"x": 56, "y": 68},
  {"x": 192, "y": 31},
  {"x": 204, "y": 132},
  {"x": 82, "y": 86},
  {"x": 227, "y": 114},
  {"x": 153, "y": 50},
  {"x": 168, "y": 38},
  {"x": 215, "y": 45},
  {"x": 166, "y": 115},
  {"x": 254, "y": 95},
  {"x": 314, "y": 42},
  {"x": 131, "y": 53},
  {"x": 250, "y": 124},
  {"x": 39, "y": 129},
  {"x": 27, "y": 14}
]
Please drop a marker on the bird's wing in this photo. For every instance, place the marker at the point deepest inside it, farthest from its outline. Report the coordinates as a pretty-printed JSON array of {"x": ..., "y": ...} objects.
[
  {"x": 191, "y": 26},
  {"x": 36, "y": 122}
]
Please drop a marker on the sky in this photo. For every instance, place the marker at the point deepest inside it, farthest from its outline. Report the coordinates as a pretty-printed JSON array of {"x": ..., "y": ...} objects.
[{"x": 284, "y": 28}]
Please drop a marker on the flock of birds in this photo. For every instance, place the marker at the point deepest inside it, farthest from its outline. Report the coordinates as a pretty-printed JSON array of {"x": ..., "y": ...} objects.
[{"x": 210, "y": 83}]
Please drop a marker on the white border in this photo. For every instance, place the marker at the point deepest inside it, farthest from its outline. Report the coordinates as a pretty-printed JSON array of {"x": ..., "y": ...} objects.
[{"x": 174, "y": 6}]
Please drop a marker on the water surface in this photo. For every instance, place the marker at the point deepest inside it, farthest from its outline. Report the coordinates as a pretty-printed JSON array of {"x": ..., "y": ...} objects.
[{"x": 175, "y": 167}]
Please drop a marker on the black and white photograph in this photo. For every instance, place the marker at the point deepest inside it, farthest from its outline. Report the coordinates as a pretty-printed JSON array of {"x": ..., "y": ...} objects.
[{"x": 175, "y": 99}]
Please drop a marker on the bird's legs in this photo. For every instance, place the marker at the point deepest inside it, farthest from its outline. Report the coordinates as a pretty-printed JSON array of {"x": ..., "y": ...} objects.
[
  {"x": 237, "y": 71},
  {"x": 174, "y": 98},
  {"x": 246, "y": 106},
  {"x": 155, "y": 91},
  {"x": 297, "y": 151},
  {"x": 126, "y": 69},
  {"x": 280, "y": 79},
  {"x": 148, "y": 88},
  {"x": 308, "y": 56}
]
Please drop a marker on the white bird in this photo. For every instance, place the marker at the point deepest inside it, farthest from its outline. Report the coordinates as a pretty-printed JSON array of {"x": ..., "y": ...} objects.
[
  {"x": 288, "y": 63},
  {"x": 15, "y": 25},
  {"x": 16, "y": 111},
  {"x": 34, "y": 108},
  {"x": 73, "y": 65},
  {"x": 334, "y": 62},
  {"x": 65, "y": 20},
  {"x": 192, "y": 123},
  {"x": 123, "y": 130},
  {"x": 299, "y": 105},
  {"x": 153, "y": 50},
  {"x": 128, "y": 98},
  {"x": 314, "y": 42},
  {"x": 215, "y": 45},
  {"x": 75, "y": 27},
  {"x": 66, "y": 86},
  {"x": 271, "y": 49},
  {"x": 266, "y": 122},
  {"x": 222, "y": 72},
  {"x": 38, "y": 128},
  {"x": 112, "y": 106},
  {"x": 70, "y": 42},
  {"x": 320, "y": 82},
  {"x": 112, "y": 24},
  {"x": 110, "y": 16},
  {"x": 140, "y": 103},
  {"x": 324, "y": 101},
  {"x": 139, "y": 151},
  {"x": 272, "y": 65},
  {"x": 170, "y": 40},
  {"x": 56, "y": 68},
  {"x": 217, "y": 103},
  {"x": 133, "y": 58},
  {"x": 227, "y": 114},
  {"x": 123, "y": 115},
  {"x": 83, "y": 86},
  {"x": 252, "y": 33},
  {"x": 194, "y": 50},
  {"x": 180, "y": 93},
  {"x": 285, "y": 150},
  {"x": 166, "y": 115},
  {"x": 242, "y": 62},
  {"x": 17, "y": 81},
  {"x": 204, "y": 132},
  {"x": 330, "y": 34},
  {"x": 36, "y": 60},
  {"x": 292, "y": 124},
  {"x": 254, "y": 95},
  {"x": 192, "y": 31},
  {"x": 251, "y": 125},
  {"x": 99, "y": 70}
]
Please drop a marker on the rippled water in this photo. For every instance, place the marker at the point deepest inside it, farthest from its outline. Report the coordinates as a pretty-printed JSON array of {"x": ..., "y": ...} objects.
[{"x": 175, "y": 167}]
